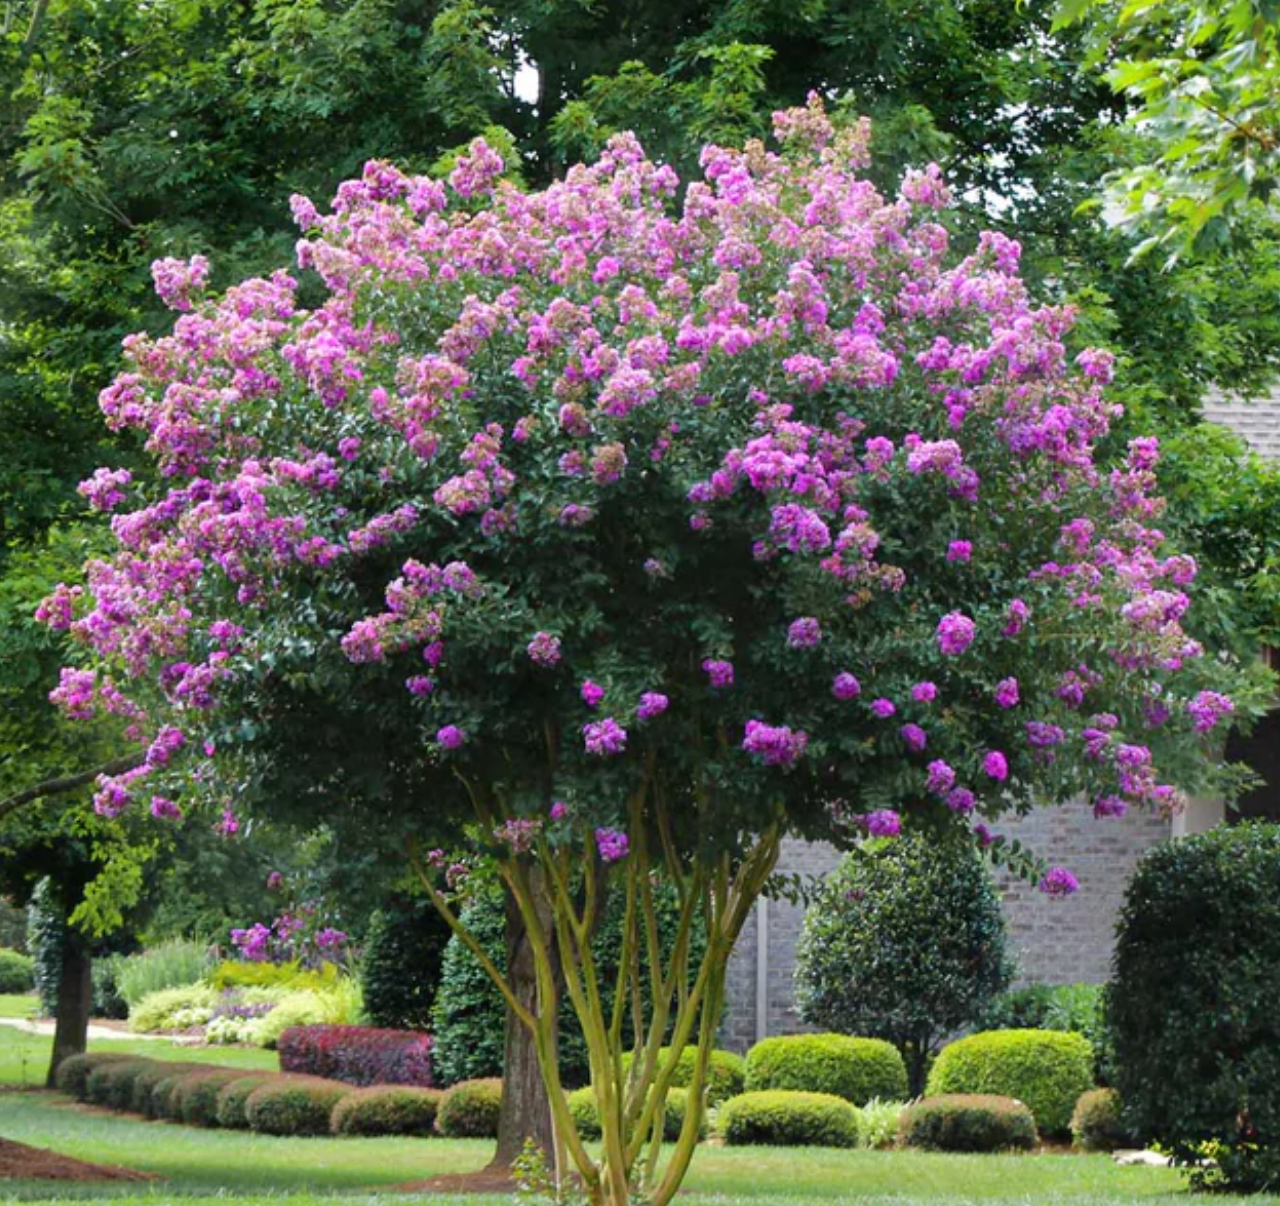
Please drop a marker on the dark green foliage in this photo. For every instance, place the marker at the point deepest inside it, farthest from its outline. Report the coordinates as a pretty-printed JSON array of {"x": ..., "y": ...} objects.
[
  {"x": 1192, "y": 1005},
  {"x": 386, "y": 1110},
  {"x": 73, "y": 1072},
  {"x": 1045, "y": 1069},
  {"x": 469, "y": 1110},
  {"x": 976, "y": 1122},
  {"x": 45, "y": 923},
  {"x": 110, "y": 1085},
  {"x": 906, "y": 943},
  {"x": 291, "y": 1105},
  {"x": 144, "y": 1084},
  {"x": 196, "y": 1097},
  {"x": 401, "y": 964},
  {"x": 468, "y": 1017},
  {"x": 17, "y": 972},
  {"x": 232, "y": 1098},
  {"x": 107, "y": 1001},
  {"x": 726, "y": 1072},
  {"x": 788, "y": 1118},
  {"x": 1096, "y": 1122},
  {"x": 856, "y": 1069}
]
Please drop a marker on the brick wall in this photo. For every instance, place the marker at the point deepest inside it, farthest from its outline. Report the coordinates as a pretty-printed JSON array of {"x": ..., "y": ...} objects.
[{"x": 1057, "y": 941}]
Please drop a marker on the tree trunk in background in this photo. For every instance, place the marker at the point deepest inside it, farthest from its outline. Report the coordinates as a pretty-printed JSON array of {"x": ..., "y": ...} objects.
[
  {"x": 75, "y": 1000},
  {"x": 525, "y": 1111}
]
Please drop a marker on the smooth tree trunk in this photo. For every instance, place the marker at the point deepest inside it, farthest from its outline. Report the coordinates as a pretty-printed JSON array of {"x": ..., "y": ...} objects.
[
  {"x": 75, "y": 1000},
  {"x": 526, "y": 1112}
]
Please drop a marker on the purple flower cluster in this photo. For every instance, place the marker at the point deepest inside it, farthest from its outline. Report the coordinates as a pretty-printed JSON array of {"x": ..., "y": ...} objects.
[
  {"x": 996, "y": 766},
  {"x": 544, "y": 649},
  {"x": 450, "y": 737},
  {"x": 776, "y": 745},
  {"x": 652, "y": 703},
  {"x": 883, "y": 823},
  {"x": 924, "y": 692},
  {"x": 1006, "y": 693},
  {"x": 845, "y": 687},
  {"x": 913, "y": 737},
  {"x": 804, "y": 633},
  {"x": 720, "y": 674},
  {"x": 592, "y": 693},
  {"x": 1207, "y": 709},
  {"x": 1058, "y": 881},
  {"x": 956, "y": 633},
  {"x": 604, "y": 737},
  {"x": 612, "y": 844}
]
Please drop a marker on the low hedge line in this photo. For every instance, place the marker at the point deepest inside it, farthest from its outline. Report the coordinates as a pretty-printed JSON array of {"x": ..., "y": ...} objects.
[
  {"x": 272, "y": 1103},
  {"x": 968, "y": 1122},
  {"x": 358, "y": 1055}
]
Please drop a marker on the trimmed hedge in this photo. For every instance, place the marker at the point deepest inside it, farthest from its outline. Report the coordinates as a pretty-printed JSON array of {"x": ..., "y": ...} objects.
[
  {"x": 470, "y": 1109},
  {"x": 110, "y": 1085},
  {"x": 789, "y": 1118},
  {"x": 73, "y": 1072},
  {"x": 196, "y": 1095},
  {"x": 386, "y": 1110},
  {"x": 726, "y": 1072},
  {"x": 586, "y": 1114},
  {"x": 1046, "y": 1069},
  {"x": 1096, "y": 1124},
  {"x": 145, "y": 1082},
  {"x": 293, "y": 1105},
  {"x": 17, "y": 972},
  {"x": 358, "y": 1055},
  {"x": 968, "y": 1122},
  {"x": 233, "y": 1097},
  {"x": 856, "y": 1069}
]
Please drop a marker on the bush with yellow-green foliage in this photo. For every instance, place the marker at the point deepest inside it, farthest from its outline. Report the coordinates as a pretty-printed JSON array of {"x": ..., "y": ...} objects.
[
  {"x": 1046, "y": 1069},
  {"x": 469, "y": 1110},
  {"x": 725, "y": 1078},
  {"x": 585, "y": 1112},
  {"x": 386, "y": 1110},
  {"x": 172, "y": 1009},
  {"x": 196, "y": 1095},
  {"x": 110, "y": 1085},
  {"x": 968, "y": 1122},
  {"x": 789, "y": 1118},
  {"x": 294, "y": 1105},
  {"x": 856, "y": 1069},
  {"x": 233, "y": 1097}
]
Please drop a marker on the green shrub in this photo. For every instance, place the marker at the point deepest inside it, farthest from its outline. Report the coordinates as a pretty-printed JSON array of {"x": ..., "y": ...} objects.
[
  {"x": 110, "y": 1085},
  {"x": 196, "y": 1096},
  {"x": 856, "y": 1069},
  {"x": 386, "y": 1110},
  {"x": 73, "y": 1072},
  {"x": 789, "y": 1118},
  {"x": 294, "y": 1105},
  {"x": 174, "y": 964},
  {"x": 145, "y": 1082},
  {"x": 237, "y": 973},
  {"x": 976, "y": 1122},
  {"x": 17, "y": 972},
  {"x": 1046, "y": 1069},
  {"x": 905, "y": 942},
  {"x": 46, "y": 923},
  {"x": 107, "y": 1001},
  {"x": 1077, "y": 1007},
  {"x": 401, "y": 963},
  {"x": 1096, "y": 1125},
  {"x": 726, "y": 1072},
  {"x": 1192, "y": 1004},
  {"x": 172, "y": 1009},
  {"x": 233, "y": 1096},
  {"x": 470, "y": 1109},
  {"x": 879, "y": 1123},
  {"x": 586, "y": 1114},
  {"x": 337, "y": 1005}
]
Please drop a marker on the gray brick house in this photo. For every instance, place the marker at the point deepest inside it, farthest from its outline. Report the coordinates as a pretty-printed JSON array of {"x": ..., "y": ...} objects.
[{"x": 1055, "y": 940}]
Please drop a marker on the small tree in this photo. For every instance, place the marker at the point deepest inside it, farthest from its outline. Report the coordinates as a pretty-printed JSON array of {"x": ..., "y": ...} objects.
[
  {"x": 603, "y": 533},
  {"x": 905, "y": 942}
]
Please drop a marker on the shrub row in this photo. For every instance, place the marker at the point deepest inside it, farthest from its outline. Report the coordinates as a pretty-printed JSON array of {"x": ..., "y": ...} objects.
[{"x": 358, "y": 1055}]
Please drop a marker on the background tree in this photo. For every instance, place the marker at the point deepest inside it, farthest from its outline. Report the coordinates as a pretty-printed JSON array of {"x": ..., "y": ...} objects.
[{"x": 905, "y": 942}]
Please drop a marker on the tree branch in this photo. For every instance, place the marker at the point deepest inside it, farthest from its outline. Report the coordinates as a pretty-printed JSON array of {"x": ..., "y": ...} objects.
[{"x": 66, "y": 783}]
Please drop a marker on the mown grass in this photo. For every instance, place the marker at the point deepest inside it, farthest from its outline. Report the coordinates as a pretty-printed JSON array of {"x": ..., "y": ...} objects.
[
  {"x": 294, "y": 1172},
  {"x": 24, "y": 1057},
  {"x": 18, "y": 1005}
]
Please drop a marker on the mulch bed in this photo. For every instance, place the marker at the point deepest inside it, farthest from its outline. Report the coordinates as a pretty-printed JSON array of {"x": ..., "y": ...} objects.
[{"x": 20, "y": 1162}]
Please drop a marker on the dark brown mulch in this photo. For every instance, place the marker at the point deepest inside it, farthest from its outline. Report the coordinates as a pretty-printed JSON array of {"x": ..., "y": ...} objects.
[{"x": 20, "y": 1162}]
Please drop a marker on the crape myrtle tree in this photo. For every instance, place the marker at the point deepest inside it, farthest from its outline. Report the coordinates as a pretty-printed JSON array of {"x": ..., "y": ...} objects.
[{"x": 636, "y": 529}]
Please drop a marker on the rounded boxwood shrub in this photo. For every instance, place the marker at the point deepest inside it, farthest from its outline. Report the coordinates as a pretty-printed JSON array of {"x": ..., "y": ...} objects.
[
  {"x": 469, "y": 1110},
  {"x": 726, "y": 1072},
  {"x": 294, "y": 1105},
  {"x": 17, "y": 972},
  {"x": 401, "y": 962},
  {"x": 196, "y": 1095},
  {"x": 856, "y": 1069},
  {"x": 73, "y": 1073},
  {"x": 233, "y": 1096},
  {"x": 386, "y": 1110},
  {"x": 789, "y": 1118},
  {"x": 1096, "y": 1124},
  {"x": 1045, "y": 1069},
  {"x": 968, "y": 1122},
  {"x": 1191, "y": 1007},
  {"x": 145, "y": 1082},
  {"x": 586, "y": 1114},
  {"x": 111, "y": 1085}
]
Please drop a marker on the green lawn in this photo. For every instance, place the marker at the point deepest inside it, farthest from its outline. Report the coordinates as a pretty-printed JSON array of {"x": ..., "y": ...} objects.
[
  {"x": 24, "y": 1057},
  {"x": 13, "y": 1005},
  {"x": 292, "y": 1172}
]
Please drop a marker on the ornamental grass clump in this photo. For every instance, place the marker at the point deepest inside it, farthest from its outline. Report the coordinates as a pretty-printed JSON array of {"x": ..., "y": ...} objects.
[{"x": 620, "y": 519}]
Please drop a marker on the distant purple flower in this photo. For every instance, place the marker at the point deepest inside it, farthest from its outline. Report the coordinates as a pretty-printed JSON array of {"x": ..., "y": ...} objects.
[
  {"x": 329, "y": 939},
  {"x": 884, "y": 822},
  {"x": 228, "y": 824},
  {"x": 961, "y": 799},
  {"x": 996, "y": 765},
  {"x": 655, "y": 569},
  {"x": 777, "y": 745},
  {"x": 1109, "y": 806},
  {"x": 1042, "y": 735},
  {"x": 955, "y": 633},
  {"x": 720, "y": 673},
  {"x": 419, "y": 685},
  {"x": 914, "y": 737},
  {"x": 941, "y": 778},
  {"x": 1207, "y": 709},
  {"x": 1007, "y": 693},
  {"x": 845, "y": 687},
  {"x": 1059, "y": 882},
  {"x": 652, "y": 703},
  {"x": 274, "y": 880},
  {"x": 1016, "y": 617},
  {"x": 544, "y": 649},
  {"x": 574, "y": 516},
  {"x": 883, "y": 708},
  {"x": 450, "y": 737},
  {"x": 433, "y": 653},
  {"x": 165, "y": 809},
  {"x": 804, "y": 633},
  {"x": 612, "y": 845},
  {"x": 252, "y": 943},
  {"x": 924, "y": 692},
  {"x": 604, "y": 737},
  {"x": 559, "y": 810},
  {"x": 592, "y": 693},
  {"x": 959, "y": 550},
  {"x": 983, "y": 834}
]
